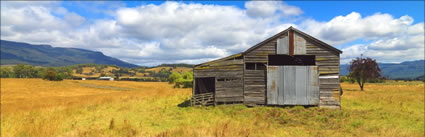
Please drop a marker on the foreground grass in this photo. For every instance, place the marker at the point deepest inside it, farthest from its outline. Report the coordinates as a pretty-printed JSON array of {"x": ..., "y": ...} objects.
[{"x": 32, "y": 107}]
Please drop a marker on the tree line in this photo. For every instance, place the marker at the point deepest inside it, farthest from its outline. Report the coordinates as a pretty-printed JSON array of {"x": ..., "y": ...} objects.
[
  {"x": 28, "y": 71},
  {"x": 65, "y": 72}
]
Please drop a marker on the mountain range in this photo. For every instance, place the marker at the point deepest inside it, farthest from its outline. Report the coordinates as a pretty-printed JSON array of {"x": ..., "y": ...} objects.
[
  {"x": 46, "y": 55},
  {"x": 403, "y": 70}
]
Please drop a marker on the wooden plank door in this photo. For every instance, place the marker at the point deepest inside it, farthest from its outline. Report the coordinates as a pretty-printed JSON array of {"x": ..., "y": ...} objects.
[
  {"x": 313, "y": 86},
  {"x": 292, "y": 85},
  {"x": 289, "y": 91},
  {"x": 273, "y": 74}
]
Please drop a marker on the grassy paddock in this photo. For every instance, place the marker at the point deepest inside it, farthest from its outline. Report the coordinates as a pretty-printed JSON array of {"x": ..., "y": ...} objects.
[{"x": 33, "y": 107}]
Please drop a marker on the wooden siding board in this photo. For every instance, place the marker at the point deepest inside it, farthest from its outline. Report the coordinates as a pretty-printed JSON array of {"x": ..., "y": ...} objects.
[
  {"x": 260, "y": 53},
  {"x": 228, "y": 94},
  {"x": 256, "y": 100},
  {"x": 234, "y": 56},
  {"x": 217, "y": 74},
  {"x": 256, "y": 72},
  {"x": 300, "y": 45},
  {"x": 229, "y": 84},
  {"x": 315, "y": 87},
  {"x": 254, "y": 80},
  {"x": 229, "y": 91},
  {"x": 229, "y": 99},
  {"x": 282, "y": 46},
  {"x": 255, "y": 94},
  {"x": 259, "y": 79},
  {"x": 328, "y": 65},
  {"x": 193, "y": 86},
  {"x": 225, "y": 91}
]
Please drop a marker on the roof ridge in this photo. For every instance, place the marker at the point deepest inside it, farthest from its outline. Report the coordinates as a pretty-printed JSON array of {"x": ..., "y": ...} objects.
[{"x": 298, "y": 31}]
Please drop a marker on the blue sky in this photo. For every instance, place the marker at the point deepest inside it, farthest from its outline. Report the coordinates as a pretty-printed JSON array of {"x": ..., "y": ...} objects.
[
  {"x": 319, "y": 10},
  {"x": 198, "y": 31}
]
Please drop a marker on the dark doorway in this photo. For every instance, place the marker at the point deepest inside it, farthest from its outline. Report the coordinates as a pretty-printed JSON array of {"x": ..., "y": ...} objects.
[
  {"x": 204, "y": 85},
  {"x": 303, "y": 60}
]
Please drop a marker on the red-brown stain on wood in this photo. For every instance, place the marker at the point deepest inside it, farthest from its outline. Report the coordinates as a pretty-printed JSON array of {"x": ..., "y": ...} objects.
[
  {"x": 291, "y": 42},
  {"x": 273, "y": 85}
]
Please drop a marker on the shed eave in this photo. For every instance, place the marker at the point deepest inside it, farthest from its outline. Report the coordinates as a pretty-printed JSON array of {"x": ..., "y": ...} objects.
[{"x": 220, "y": 59}]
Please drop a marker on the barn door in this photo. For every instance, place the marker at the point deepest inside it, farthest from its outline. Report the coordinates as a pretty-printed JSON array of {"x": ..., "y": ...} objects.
[{"x": 292, "y": 85}]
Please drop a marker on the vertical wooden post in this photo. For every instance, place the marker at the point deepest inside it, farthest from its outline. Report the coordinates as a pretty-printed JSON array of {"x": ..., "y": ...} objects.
[
  {"x": 243, "y": 80},
  {"x": 193, "y": 87},
  {"x": 291, "y": 42}
]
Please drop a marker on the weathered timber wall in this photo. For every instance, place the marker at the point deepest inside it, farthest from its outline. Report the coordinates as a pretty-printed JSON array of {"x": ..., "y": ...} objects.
[
  {"x": 327, "y": 61},
  {"x": 328, "y": 65},
  {"x": 249, "y": 86},
  {"x": 228, "y": 79},
  {"x": 255, "y": 80},
  {"x": 254, "y": 87}
]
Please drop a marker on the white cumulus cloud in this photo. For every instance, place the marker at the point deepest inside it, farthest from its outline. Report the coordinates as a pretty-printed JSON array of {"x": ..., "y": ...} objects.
[
  {"x": 271, "y": 8},
  {"x": 176, "y": 32},
  {"x": 344, "y": 29}
]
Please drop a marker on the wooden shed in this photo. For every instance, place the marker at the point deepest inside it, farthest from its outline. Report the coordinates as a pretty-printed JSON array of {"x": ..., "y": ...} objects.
[{"x": 289, "y": 68}]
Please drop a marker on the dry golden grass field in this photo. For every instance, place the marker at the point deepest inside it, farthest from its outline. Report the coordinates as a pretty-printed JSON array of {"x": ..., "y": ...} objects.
[{"x": 38, "y": 108}]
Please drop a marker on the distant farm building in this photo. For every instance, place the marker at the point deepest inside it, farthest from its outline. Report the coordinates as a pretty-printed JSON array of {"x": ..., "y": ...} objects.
[
  {"x": 289, "y": 68},
  {"x": 106, "y": 78},
  {"x": 84, "y": 78}
]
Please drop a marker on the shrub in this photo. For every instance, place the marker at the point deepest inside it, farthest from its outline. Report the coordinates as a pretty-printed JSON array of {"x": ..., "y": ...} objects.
[
  {"x": 5, "y": 72},
  {"x": 346, "y": 79},
  {"x": 51, "y": 75},
  {"x": 174, "y": 77},
  {"x": 377, "y": 81},
  {"x": 181, "y": 80},
  {"x": 183, "y": 83}
]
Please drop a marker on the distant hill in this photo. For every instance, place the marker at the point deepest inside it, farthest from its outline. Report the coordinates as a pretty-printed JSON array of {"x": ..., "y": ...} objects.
[
  {"x": 176, "y": 65},
  {"x": 46, "y": 55},
  {"x": 404, "y": 70}
]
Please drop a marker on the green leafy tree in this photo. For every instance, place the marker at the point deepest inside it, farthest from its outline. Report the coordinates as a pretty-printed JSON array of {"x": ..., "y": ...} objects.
[
  {"x": 174, "y": 77},
  {"x": 5, "y": 72},
  {"x": 41, "y": 72},
  {"x": 188, "y": 75},
  {"x": 29, "y": 71},
  {"x": 116, "y": 73},
  {"x": 19, "y": 70},
  {"x": 79, "y": 70},
  {"x": 65, "y": 72},
  {"x": 181, "y": 80},
  {"x": 51, "y": 75}
]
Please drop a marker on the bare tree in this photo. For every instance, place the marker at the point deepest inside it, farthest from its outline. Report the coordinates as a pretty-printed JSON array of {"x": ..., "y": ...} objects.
[{"x": 363, "y": 70}]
